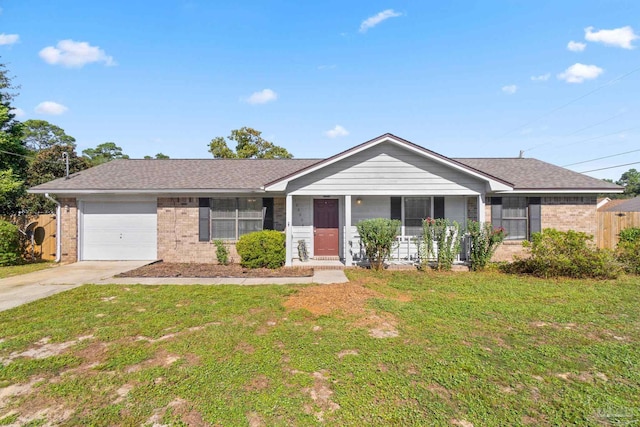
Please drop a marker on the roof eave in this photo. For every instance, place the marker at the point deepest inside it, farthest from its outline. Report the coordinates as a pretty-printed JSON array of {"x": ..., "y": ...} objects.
[
  {"x": 146, "y": 191},
  {"x": 565, "y": 190}
]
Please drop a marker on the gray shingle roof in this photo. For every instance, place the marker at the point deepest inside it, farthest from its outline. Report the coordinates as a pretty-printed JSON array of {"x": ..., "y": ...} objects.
[
  {"x": 252, "y": 174},
  {"x": 630, "y": 205},
  {"x": 178, "y": 174},
  {"x": 533, "y": 174}
]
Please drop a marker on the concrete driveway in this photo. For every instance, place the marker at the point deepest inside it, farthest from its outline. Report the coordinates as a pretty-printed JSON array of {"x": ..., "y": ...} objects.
[{"x": 18, "y": 290}]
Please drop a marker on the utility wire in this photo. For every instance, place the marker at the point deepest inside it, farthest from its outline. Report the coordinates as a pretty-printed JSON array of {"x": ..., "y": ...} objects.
[
  {"x": 575, "y": 132},
  {"x": 609, "y": 83},
  {"x": 596, "y": 124},
  {"x": 611, "y": 167},
  {"x": 600, "y": 158},
  {"x": 29, "y": 157}
]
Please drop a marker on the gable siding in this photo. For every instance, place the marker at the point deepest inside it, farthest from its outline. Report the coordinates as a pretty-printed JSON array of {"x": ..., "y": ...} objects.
[{"x": 387, "y": 169}]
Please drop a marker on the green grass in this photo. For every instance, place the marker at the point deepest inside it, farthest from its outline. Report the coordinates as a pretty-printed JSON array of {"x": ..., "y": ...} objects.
[
  {"x": 485, "y": 348},
  {"x": 16, "y": 270}
]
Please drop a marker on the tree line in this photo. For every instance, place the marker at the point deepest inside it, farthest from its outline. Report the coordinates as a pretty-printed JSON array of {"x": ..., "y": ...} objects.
[{"x": 31, "y": 153}]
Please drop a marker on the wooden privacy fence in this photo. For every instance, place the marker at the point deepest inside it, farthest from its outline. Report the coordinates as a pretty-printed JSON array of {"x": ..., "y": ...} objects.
[
  {"x": 611, "y": 223},
  {"x": 41, "y": 234}
]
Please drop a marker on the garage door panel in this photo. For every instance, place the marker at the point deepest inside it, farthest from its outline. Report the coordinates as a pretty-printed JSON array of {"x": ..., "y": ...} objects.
[{"x": 119, "y": 231}]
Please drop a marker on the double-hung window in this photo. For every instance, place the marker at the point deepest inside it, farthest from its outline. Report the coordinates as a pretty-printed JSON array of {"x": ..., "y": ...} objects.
[
  {"x": 519, "y": 216},
  {"x": 231, "y": 217}
]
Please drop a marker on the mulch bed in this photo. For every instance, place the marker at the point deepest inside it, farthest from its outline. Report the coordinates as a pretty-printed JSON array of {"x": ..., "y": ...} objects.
[{"x": 171, "y": 269}]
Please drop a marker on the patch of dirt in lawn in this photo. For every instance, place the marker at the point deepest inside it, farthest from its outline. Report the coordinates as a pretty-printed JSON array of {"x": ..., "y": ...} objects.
[
  {"x": 173, "y": 269},
  {"x": 43, "y": 349},
  {"x": 349, "y": 298}
]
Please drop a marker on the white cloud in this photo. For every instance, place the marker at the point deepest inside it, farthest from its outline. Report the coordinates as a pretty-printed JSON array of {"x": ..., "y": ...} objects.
[
  {"x": 510, "y": 89},
  {"x": 578, "y": 73},
  {"x": 74, "y": 54},
  {"x": 576, "y": 46},
  {"x": 327, "y": 67},
  {"x": 619, "y": 37},
  {"x": 18, "y": 112},
  {"x": 8, "y": 38},
  {"x": 374, "y": 20},
  {"x": 336, "y": 132},
  {"x": 51, "y": 108},
  {"x": 541, "y": 77},
  {"x": 262, "y": 97}
]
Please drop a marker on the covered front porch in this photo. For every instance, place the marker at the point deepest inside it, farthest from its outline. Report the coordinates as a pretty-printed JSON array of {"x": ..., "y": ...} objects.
[{"x": 323, "y": 229}]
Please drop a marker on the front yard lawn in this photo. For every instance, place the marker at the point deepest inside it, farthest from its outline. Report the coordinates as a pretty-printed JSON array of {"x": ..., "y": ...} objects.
[
  {"x": 394, "y": 348},
  {"x": 16, "y": 270}
]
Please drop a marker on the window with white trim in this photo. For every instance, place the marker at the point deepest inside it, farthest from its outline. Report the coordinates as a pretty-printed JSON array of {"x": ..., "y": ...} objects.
[{"x": 235, "y": 217}]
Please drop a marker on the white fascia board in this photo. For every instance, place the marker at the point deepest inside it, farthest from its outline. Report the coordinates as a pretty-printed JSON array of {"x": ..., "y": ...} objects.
[
  {"x": 282, "y": 185},
  {"x": 158, "y": 192},
  {"x": 561, "y": 191}
]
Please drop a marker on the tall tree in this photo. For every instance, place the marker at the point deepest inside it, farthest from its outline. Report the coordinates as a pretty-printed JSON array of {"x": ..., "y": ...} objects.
[
  {"x": 103, "y": 153},
  {"x": 249, "y": 145},
  {"x": 40, "y": 134},
  {"x": 13, "y": 161},
  {"x": 630, "y": 180},
  {"x": 49, "y": 164}
]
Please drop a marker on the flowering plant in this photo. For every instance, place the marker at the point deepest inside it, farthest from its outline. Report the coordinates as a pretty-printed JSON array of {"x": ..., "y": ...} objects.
[{"x": 484, "y": 242}]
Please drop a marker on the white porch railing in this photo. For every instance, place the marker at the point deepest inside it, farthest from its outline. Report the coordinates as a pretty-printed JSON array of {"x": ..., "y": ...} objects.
[{"x": 407, "y": 250}]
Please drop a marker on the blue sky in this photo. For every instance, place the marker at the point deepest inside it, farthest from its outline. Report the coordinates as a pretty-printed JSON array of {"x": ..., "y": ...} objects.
[{"x": 558, "y": 79}]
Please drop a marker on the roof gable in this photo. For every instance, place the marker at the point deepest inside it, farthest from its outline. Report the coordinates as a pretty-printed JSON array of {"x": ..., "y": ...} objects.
[{"x": 495, "y": 184}]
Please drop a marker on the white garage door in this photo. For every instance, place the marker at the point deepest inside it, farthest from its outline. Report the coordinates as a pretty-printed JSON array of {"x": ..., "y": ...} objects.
[{"x": 119, "y": 231}]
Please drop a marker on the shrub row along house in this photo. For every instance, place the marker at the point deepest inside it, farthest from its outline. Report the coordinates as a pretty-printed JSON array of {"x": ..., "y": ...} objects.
[{"x": 173, "y": 209}]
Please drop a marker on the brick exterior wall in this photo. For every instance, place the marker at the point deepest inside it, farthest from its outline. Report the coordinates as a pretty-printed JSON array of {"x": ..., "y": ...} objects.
[
  {"x": 69, "y": 230},
  {"x": 560, "y": 212},
  {"x": 178, "y": 233}
]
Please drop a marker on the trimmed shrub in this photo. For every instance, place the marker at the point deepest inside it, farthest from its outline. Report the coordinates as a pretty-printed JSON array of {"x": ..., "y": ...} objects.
[
  {"x": 566, "y": 254},
  {"x": 378, "y": 235},
  {"x": 262, "y": 249},
  {"x": 440, "y": 242},
  {"x": 628, "y": 249},
  {"x": 222, "y": 253},
  {"x": 10, "y": 248},
  {"x": 484, "y": 241}
]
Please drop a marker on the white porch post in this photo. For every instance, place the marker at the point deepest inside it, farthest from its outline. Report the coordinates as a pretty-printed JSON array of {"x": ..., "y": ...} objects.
[
  {"x": 348, "y": 256},
  {"x": 481, "y": 213},
  {"x": 288, "y": 230}
]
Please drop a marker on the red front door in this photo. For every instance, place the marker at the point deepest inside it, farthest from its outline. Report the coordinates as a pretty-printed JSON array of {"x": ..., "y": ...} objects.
[{"x": 325, "y": 227}]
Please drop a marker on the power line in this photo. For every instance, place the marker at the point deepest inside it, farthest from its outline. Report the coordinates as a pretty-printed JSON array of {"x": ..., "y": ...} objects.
[
  {"x": 600, "y": 158},
  {"x": 611, "y": 167},
  {"x": 596, "y": 124},
  {"x": 609, "y": 83},
  {"x": 575, "y": 132},
  {"x": 29, "y": 157}
]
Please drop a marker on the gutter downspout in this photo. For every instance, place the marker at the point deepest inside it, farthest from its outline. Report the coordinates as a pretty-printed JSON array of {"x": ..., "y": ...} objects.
[{"x": 58, "y": 227}]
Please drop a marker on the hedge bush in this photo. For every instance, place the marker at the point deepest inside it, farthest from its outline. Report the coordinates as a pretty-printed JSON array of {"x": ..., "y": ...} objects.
[
  {"x": 10, "y": 249},
  {"x": 628, "y": 249},
  {"x": 566, "y": 254},
  {"x": 378, "y": 235},
  {"x": 262, "y": 249}
]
